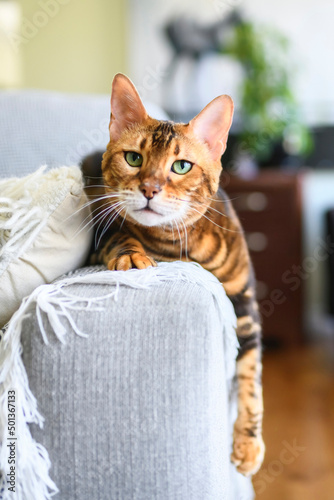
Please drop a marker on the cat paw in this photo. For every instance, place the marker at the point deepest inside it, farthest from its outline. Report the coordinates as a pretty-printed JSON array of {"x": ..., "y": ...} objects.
[
  {"x": 248, "y": 453},
  {"x": 133, "y": 261}
]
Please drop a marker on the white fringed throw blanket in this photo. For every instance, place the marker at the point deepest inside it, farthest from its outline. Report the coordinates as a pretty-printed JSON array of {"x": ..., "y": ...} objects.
[{"x": 55, "y": 303}]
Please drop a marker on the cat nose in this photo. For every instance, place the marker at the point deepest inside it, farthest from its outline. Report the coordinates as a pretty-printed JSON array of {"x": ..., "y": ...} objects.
[{"x": 149, "y": 190}]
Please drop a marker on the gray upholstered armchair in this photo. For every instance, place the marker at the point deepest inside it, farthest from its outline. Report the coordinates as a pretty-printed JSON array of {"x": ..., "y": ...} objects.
[{"x": 132, "y": 372}]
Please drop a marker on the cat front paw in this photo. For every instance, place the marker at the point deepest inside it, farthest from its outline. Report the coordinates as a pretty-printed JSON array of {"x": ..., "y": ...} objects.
[
  {"x": 248, "y": 453},
  {"x": 133, "y": 261}
]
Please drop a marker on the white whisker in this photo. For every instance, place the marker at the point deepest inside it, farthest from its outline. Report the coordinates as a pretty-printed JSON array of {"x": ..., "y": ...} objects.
[
  {"x": 90, "y": 202},
  {"x": 91, "y": 222},
  {"x": 209, "y": 207},
  {"x": 106, "y": 227},
  {"x": 178, "y": 230},
  {"x": 100, "y": 213},
  {"x": 94, "y": 217},
  {"x": 215, "y": 210},
  {"x": 223, "y": 201},
  {"x": 126, "y": 213},
  {"x": 110, "y": 212},
  {"x": 93, "y": 176},
  {"x": 186, "y": 239},
  {"x": 102, "y": 216},
  {"x": 221, "y": 227}
]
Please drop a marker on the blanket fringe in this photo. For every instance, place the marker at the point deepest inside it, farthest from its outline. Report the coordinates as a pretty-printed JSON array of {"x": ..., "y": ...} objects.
[
  {"x": 55, "y": 303},
  {"x": 19, "y": 218}
]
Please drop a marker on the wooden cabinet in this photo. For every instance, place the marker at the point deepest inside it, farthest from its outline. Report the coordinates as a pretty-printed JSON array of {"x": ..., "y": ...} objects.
[{"x": 269, "y": 207}]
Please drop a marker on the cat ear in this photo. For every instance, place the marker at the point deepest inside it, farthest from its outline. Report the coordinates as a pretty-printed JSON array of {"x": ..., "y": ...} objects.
[
  {"x": 126, "y": 106},
  {"x": 213, "y": 123}
]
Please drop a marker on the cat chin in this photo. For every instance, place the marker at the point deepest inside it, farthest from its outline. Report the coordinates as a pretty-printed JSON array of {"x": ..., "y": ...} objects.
[{"x": 148, "y": 218}]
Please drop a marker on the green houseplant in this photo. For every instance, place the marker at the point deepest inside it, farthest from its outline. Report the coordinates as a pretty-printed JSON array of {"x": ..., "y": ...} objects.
[{"x": 269, "y": 112}]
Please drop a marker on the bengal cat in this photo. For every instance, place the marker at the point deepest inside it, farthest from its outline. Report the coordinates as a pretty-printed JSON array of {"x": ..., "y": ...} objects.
[{"x": 161, "y": 202}]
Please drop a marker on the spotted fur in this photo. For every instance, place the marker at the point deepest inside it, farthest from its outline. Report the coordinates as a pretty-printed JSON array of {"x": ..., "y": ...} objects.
[{"x": 154, "y": 214}]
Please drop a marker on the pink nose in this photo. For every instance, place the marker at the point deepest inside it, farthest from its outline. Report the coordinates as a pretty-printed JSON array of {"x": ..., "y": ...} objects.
[{"x": 149, "y": 190}]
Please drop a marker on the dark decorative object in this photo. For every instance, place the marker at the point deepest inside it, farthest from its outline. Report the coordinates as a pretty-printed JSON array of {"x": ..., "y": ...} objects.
[
  {"x": 191, "y": 42},
  {"x": 189, "y": 38},
  {"x": 270, "y": 131},
  {"x": 322, "y": 155}
]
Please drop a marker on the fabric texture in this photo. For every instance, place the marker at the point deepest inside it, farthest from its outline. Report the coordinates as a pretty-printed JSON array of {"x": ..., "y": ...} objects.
[
  {"x": 43, "y": 232},
  {"x": 139, "y": 409},
  {"x": 50, "y": 128}
]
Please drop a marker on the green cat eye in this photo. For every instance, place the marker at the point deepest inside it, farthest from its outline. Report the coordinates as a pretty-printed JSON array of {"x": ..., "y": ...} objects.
[
  {"x": 134, "y": 159},
  {"x": 181, "y": 167}
]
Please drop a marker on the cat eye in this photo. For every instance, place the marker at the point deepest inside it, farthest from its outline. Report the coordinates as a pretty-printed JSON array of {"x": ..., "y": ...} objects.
[
  {"x": 134, "y": 159},
  {"x": 181, "y": 167}
]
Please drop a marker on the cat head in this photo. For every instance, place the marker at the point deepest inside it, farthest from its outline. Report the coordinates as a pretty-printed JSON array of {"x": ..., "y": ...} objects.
[{"x": 160, "y": 171}]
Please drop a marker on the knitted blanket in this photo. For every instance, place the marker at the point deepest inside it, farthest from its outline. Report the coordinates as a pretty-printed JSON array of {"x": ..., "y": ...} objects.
[{"x": 55, "y": 304}]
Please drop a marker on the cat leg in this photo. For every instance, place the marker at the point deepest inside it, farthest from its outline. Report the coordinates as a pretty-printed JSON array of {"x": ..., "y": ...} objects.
[
  {"x": 248, "y": 446},
  {"x": 122, "y": 252}
]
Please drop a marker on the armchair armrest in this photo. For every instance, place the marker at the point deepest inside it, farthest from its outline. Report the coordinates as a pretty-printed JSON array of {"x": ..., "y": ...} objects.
[{"x": 140, "y": 409}]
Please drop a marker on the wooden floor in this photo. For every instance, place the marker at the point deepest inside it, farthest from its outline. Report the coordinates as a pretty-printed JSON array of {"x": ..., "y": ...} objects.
[{"x": 298, "y": 425}]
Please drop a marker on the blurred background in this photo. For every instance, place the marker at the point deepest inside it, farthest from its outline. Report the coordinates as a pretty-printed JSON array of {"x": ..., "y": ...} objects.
[{"x": 275, "y": 60}]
